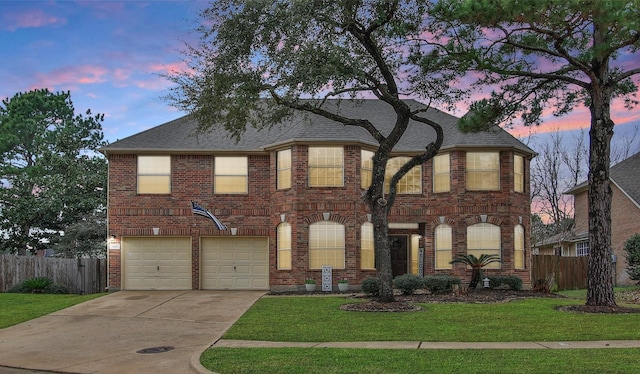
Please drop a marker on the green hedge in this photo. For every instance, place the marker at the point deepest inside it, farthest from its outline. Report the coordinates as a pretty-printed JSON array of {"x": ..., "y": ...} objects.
[
  {"x": 510, "y": 281},
  {"x": 408, "y": 283},
  {"x": 440, "y": 283}
]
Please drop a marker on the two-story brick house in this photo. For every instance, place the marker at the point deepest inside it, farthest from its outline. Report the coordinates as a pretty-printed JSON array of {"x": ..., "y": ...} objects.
[{"x": 291, "y": 196}]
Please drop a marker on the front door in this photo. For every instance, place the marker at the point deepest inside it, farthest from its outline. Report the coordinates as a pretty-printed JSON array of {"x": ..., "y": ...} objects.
[{"x": 398, "y": 246}]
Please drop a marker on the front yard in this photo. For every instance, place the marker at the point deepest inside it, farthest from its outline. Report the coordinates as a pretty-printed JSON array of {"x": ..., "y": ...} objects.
[
  {"x": 19, "y": 307},
  {"x": 319, "y": 319}
]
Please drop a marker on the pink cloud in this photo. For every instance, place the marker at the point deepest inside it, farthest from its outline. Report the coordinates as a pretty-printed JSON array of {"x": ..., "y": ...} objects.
[
  {"x": 72, "y": 75},
  {"x": 31, "y": 19}
]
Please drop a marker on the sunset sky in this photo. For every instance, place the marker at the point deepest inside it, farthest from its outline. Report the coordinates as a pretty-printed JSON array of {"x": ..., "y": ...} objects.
[{"x": 110, "y": 55}]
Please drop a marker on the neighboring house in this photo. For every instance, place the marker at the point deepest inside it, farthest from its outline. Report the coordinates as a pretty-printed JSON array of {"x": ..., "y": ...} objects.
[
  {"x": 625, "y": 219},
  {"x": 291, "y": 197}
]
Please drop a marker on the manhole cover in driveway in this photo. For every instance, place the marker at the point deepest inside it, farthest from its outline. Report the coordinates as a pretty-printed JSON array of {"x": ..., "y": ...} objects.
[{"x": 156, "y": 350}]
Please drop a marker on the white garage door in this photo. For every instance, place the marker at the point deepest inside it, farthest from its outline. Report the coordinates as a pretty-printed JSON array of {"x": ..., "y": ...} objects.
[
  {"x": 156, "y": 263},
  {"x": 235, "y": 263}
]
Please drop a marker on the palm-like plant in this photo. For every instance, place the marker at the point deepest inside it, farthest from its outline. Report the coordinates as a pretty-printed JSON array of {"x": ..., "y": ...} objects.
[{"x": 476, "y": 264}]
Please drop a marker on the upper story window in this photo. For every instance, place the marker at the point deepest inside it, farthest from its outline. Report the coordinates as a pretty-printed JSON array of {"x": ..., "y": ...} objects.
[
  {"x": 284, "y": 246},
  {"x": 326, "y": 167},
  {"x": 518, "y": 246},
  {"x": 154, "y": 174},
  {"x": 326, "y": 245},
  {"x": 410, "y": 183},
  {"x": 442, "y": 173},
  {"x": 484, "y": 238},
  {"x": 366, "y": 168},
  {"x": 284, "y": 169},
  {"x": 367, "y": 253},
  {"x": 231, "y": 175},
  {"x": 518, "y": 173},
  {"x": 483, "y": 171}
]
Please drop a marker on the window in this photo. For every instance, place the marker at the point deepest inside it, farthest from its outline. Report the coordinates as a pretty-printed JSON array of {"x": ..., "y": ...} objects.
[
  {"x": 442, "y": 173},
  {"x": 414, "y": 268},
  {"x": 366, "y": 168},
  {"x": 325, "y": 167},
  {"x": 483, "y": 171},
  {"x": 484, "y": 238},
  {"x": 326, "y": 245},
  {"x": 284, "y": 169},
  {"x": 284, "y": 246},
  {"x": 444, "y": 246},
  {"x": 231, "y": 175},
  {"x": 518, "y": 173},
  {"x": 582, "y": 249},
  {"x": 410, "y": 183},
  {"x": 518, "y": 246},
  {"x": 367, "y": 253},
  {"x": 154, "y": 174}
]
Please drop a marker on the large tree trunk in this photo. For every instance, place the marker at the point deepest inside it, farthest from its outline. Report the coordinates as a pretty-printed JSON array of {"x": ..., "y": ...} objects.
[
  {"x": 382, "y": 253},
  {"x": 600, "y": 280}
]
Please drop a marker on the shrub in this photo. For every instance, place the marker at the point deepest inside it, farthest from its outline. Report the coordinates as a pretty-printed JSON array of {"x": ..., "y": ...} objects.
[
  {"x": 510, "y": 281},
  {"x": 56, "y": 289},
  {"x": 38, "y": 285},
  {"x": 632, "y": 254},
  {"x": 408, "y": 283},
  {"x": 371, "y": 286},
  {"x": 440, "y": 283}
]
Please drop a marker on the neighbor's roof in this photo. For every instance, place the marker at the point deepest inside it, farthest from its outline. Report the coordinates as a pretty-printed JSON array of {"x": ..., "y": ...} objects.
[
  {"x": 624, "y": 174},
  {"x": 180, "y": 135}
]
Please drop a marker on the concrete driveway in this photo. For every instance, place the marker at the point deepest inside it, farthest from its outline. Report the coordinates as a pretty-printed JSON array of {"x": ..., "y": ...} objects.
[{"x": 104, "y": 335}]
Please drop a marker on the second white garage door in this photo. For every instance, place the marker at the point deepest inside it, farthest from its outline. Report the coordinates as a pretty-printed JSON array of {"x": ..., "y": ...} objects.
[{"x": 235, "y": 263}]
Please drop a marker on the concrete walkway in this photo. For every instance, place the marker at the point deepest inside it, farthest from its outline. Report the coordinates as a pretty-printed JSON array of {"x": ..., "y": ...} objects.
[
  {"x": 125, "y": 332},
  {"x": 432, "y": 345}
]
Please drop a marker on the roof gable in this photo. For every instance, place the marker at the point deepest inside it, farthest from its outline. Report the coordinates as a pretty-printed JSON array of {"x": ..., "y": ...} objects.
[
  {"x": 180, "y": 135},
  {"x": 624, "y": 174}
]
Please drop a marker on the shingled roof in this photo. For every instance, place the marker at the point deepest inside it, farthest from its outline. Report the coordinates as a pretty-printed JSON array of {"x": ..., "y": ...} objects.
[
  {"x": 179, "y": 136},
  {"x": 624, "y": 174}
]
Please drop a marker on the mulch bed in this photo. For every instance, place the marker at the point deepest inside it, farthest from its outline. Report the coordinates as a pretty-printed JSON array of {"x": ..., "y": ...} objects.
[{"x": 405, "y": 303}]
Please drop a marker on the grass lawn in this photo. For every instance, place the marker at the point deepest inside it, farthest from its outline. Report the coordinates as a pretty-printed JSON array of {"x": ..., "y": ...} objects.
[
  {"x": 318, "y": 319},
  {"x": 374, "y": 361},
  {"x": 18, "y": 307}
]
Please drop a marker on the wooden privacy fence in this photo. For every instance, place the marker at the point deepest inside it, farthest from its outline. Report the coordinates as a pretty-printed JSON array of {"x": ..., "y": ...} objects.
[
  {"x": 568, "y": 273},
  {"x": 80, "y": 276}
]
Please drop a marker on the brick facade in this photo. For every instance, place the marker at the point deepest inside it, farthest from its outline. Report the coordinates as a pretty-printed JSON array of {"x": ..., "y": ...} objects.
[{"x": 259, "y": 212}]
